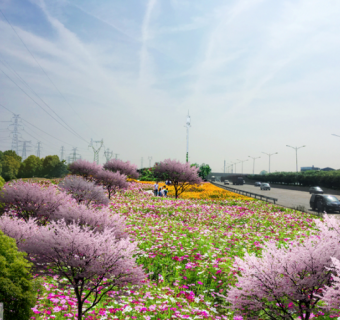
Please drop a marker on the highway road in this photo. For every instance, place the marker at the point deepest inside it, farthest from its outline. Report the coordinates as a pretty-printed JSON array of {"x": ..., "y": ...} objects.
[{"x": 286, "y": 198}]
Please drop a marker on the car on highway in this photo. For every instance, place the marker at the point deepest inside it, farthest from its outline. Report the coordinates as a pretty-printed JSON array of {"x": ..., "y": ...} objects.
[
  {"x": 257, "y": 184},
  {"x": 265, "y": 186},
  {"x": 226, "y": 182},
  {"x": 317, "y": 190},
  {"x": 328, "y": 202}
]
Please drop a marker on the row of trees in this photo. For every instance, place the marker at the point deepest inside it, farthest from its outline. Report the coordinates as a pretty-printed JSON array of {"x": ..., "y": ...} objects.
[
  {"x": 12, "y": 166},
  {"x": 69, "y": 232},
  {"x": 327, "y": 179}
]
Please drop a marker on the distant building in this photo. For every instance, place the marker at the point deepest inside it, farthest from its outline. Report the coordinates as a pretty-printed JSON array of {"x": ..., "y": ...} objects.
[
  {"x": 309, "y": 168},
  {"x": 327, "y": 169}
]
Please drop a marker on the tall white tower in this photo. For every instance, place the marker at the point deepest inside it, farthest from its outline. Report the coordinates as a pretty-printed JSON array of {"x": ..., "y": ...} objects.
[
  {"x": 188, "y": 125},
  {"x": 96, "y": 150}
]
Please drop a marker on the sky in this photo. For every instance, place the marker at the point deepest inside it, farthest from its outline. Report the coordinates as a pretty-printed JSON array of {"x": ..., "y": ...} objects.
[{"x": 254, "y": 75}]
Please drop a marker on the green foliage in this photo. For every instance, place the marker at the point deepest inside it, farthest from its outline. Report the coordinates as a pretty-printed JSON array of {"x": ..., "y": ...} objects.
[
  {"x": 30, "y": 167},
  {"x": 204, "y": 170},
  {"x": 52, "y": 167},
  {"x": 17, "y": 287},
  {"x": 13, "y": 154},
  {"x": 147, "y": 174},
  {"x": 2, "y": 182},
  {"x": 10, "y": 166},
  {"x": 326, "y": 179}
]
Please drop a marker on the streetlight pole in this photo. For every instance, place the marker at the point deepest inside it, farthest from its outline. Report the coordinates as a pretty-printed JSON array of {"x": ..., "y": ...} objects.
[
  {"x": 296, "y": 149},
  {"x": 254, "y": 162},
  {"x": 242, "y": 163},
  {"x": 269, "y": 154}
]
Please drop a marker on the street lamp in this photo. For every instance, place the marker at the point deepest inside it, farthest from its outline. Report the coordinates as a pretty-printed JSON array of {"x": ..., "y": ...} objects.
[
  {"x": 296, "y": 149},
  {"x": 254, "y": 162},
  {"x": 269, "y": 154},
  {"x": 242, "y": 163}
]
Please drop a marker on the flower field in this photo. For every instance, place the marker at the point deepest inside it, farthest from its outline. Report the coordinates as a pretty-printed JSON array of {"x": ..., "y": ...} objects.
[
  {"x": 205, "y": 191},
  {"x": 187, "y": 247}
]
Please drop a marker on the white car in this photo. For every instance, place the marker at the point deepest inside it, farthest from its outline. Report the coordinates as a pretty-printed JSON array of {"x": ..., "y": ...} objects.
[
  {"x": 265, "y": 186},
  {"x": 226, "y": 182}
]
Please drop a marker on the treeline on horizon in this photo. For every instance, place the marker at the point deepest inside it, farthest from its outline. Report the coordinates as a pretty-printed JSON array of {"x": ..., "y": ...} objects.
[
  {"x": 326, "y": 179},
  {"x": 12, "y": 166}
]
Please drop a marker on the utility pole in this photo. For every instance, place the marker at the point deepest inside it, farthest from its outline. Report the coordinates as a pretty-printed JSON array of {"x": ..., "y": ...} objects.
[
  {"x": 96, "y": 150},
  {"x": 38, "y": 149},
  {"x": 296, "y": 149},
  {"x": 25, "y": 146},
  {"x": 117, "y": 154},
  {"x": 269, "y": 155},
  {"x": 150, "y": 158},
  {"x": 242, "y": 163},
  {"x": 254, "y": 162},
  {"x": 62, "y": 154},
  {"x": 188, "y": 125},
  {"x": 108, "y": 154}
]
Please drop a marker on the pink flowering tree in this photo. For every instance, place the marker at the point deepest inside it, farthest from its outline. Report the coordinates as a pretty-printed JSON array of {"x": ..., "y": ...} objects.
[
  {"x": 25, "y": 200},
  {"x": 127, "y": 168},
  {"x": 330, "y": 231},
  {"x": 182, "y": 175},
  {"x": 84, "y": 168},
  {"x": 112, "y": 181},
  {"x": 93, "y": 263},
  {"x": 84, "y": 191},
  {"x": 285, "y": 282}
]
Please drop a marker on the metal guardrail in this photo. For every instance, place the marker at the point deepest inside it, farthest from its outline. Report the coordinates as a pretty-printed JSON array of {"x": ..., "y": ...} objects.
[{"x": 246, "y": 193}]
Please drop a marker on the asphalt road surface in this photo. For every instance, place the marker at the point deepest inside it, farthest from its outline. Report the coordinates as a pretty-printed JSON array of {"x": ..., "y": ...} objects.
[{"x": 286, "y": 198}]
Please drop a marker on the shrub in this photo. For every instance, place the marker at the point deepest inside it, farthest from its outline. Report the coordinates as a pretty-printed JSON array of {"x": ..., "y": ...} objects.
[
  {"x": 84, "y": 168},
  {"x": 16, "y": 283},
  {"x": 84, "y": 191},
  {"x": 116, "y": 165},
  {"x": 27, "y": 200}
]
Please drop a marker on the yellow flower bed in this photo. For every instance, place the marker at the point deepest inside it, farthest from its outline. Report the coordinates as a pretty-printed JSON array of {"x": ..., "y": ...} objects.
[{"x": 204, "y": 191}]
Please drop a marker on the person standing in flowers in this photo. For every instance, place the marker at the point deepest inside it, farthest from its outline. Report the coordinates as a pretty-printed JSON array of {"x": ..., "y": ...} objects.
[
  {"x": 160, "y": 192},
  {"x": 165, "y": 191},
  {"x": 155, "y": 189}
]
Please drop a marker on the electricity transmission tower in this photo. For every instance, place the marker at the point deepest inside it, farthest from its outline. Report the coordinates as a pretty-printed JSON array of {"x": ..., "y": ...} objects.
[
  {"x": 25, "y": 147},
  {"x": 108, "y": 154},
  {"x": 188, "y": 125},
  {"x": 62, "y": 153},
  {"x": 74, "y": 156},
  {"x": 38, "y": 149},
  {"x": 150, "y": 158},
  {"x": 117, "y": 154},
  {"x": 141, "y": 163},
  {"x": 15, "y": 131},
  {"x": 96, "y": 150}
]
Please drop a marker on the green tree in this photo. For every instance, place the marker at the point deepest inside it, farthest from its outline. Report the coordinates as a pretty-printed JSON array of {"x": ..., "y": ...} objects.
[
  {"x": 2, "y": 182},
  {"x": 204, "y": 170},
  {"x": 10, "y": 167},
  {"x": 17, "y": 287},
  {"x": 30, "y": 167},
  {"x": 13, "y": 154},
  {"x": 52, "y": 167}
]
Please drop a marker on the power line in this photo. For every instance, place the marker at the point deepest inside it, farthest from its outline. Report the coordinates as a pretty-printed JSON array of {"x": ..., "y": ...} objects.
[
  {"x": 44, "y": 70},
  {"x": 78, "y": 136},
  {"x": 36, "y": 94}
]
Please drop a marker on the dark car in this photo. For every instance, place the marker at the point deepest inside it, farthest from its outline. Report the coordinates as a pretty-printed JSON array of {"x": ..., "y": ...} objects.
[
  {"x": 317, "y": 190},
  {"x": 327, "y": 202},
  {"x": 257, "y": 184}
]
